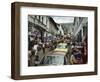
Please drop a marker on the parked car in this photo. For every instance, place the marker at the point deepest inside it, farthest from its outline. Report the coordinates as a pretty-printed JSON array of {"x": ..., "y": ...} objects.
[{"x": 54, "y": 58}]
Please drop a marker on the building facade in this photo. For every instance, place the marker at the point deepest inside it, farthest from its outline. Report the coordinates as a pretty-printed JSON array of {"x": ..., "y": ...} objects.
[
  {"x": 80, "y": 28},
  {"x": 42, "y": 27}
]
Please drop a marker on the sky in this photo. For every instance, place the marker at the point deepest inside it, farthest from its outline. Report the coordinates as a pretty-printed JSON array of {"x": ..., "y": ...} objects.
[{"x": 63, "y": 19}]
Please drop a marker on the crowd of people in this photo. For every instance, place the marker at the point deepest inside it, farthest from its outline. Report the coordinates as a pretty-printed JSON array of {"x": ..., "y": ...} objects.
[
  {"x": 36, "y": 45},
  {"x": 79, "y": 53},
  {"x": 77, "y": 50}
]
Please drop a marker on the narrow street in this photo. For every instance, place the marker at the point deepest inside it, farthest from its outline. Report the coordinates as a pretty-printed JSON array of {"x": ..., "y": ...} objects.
[
  {"x": 40, "y": 55},
  {"x": 57, "y": 40}
]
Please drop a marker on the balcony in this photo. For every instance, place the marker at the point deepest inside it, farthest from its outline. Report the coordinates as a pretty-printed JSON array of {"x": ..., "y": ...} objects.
[{"x": 37, "y": 22}]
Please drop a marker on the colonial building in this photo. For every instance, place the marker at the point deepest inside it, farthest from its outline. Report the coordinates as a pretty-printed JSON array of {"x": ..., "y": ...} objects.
[
  {"x": 80, "y": 28},
  {"x": 37, "y": 25},
  {"x": 42, "y": 26}
]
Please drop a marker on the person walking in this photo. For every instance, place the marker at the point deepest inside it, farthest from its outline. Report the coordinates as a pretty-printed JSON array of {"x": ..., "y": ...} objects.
[
  {"x": 43, "y": 47},
  {"x": 76, "y": 57},
  {"x": 35, "y": 49},
  {"x": 36, "y": 61}
]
